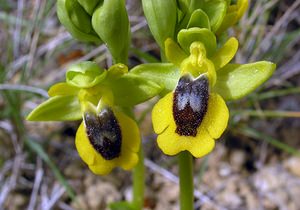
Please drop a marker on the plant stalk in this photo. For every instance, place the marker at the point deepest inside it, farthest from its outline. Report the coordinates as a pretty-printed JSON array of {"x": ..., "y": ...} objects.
[
  {"x": 186, "y": 181},
  {"x": 139, "y": 181}
]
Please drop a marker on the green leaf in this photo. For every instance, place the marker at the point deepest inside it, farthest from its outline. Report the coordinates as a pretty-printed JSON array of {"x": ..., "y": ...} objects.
[
  {"x": 78, "y": 33},
  {"x": 187, "y": 36},
  {"x": 166, "y": 75},
  {"x": 216, "y": 11},
  {"x": 110, "y": 21},
  {"x": 199, "y": 19},
  {"x": 57, "y": 108},
  {"x": 85, "y": 74},
  {"x": 161, "y": 17},
  {"x": 123, "y": 205},
  {"x": 235, "y": 80},
  {"x": 132, "y": 89},
  {"x": 62, "y": 89}
]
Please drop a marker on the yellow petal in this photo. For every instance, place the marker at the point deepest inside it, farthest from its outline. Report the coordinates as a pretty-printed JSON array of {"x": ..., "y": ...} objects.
[
  {"x": 130, "y": 146},
  {"x": 162, "y": 113},
  {"x": 174, "y": 53},
  {"x": 83, "y": 146},
  {"x": 62, "y": 89},
  {"x": 102, "y": 167},
  {"x": 216, "y": 118},
  {"x": 171, "y": 143},
  {"x": 224, "y": 55},
  {"x": 242, "y": 7},
  {"x": 130, "y": 132},
  {"x": 203, "y": 144}
]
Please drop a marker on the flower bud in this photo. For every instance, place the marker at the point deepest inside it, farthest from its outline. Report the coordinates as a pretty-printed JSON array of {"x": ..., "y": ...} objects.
[
  {"x": 76, "y": 17},
  {"x": 110, "y": 21}
]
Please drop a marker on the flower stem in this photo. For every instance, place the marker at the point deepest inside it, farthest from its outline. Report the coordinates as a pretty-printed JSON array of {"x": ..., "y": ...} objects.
[
  {"x": 186, "y": 181},
  {"x": 138, "y": 182}
]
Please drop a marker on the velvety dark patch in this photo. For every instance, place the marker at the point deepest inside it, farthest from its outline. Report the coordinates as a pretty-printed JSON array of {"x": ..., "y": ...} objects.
[
  {"x": 104, "y": 133},
  {"x": 190, "y": 104}
]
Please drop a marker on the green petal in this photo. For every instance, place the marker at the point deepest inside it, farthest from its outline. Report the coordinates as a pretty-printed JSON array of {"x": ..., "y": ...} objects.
[
  {"x": 132, "y": 89},
  {"x": 235, "y": 80},
  {"x": 85, "y": 74},
  {"x": 224, "y": 55},
  {"x": 199, "y": 19},
  {"x": 57, "y": 108},
  {"x": 62, "y": 89},
  {"x": 166, "y": 75},
  {"x": 187, "y": 36}
]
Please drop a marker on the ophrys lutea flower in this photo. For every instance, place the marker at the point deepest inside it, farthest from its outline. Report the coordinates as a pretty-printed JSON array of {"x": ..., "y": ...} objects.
[
  {"x": 194, "y": 114},
  {"x": 107, "y": 137}
]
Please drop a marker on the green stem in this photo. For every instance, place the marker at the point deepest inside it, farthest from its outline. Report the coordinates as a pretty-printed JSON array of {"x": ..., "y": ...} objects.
[
  {"x": 186, "y": 181},
  {"x": 138, "y": 182}
]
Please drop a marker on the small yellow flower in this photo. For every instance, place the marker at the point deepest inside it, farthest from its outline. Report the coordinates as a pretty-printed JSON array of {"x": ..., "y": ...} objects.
[
  {"x": 108, "y": 139},
  {"x": 204, "y": 118},
  {"x": 193, "y": 115}
]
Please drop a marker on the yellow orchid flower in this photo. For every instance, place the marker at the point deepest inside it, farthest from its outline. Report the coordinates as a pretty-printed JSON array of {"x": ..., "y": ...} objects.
[
  {"x": 193, "y": 115},
  {"x": 190, "y": 118},
  {"x": 108, "y": 139}
]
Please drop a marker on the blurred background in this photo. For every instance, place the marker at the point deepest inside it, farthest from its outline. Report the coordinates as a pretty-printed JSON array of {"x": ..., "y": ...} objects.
[{"x": 256, "y": 163}]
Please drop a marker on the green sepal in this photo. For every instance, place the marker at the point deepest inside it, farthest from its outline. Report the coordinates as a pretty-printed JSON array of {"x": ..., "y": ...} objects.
[
  {"x": 216, "y": 11},
  {"x": 89, "y": 5},
  {"x": 161, "y": 17},
  {"x": 57, "y": 108},
  {"x": 131, "y": 89},
  {"x": 199, "y": 19},
  {"x": 187, "y": 36},
  {"x": 236, "y": 80},
  {"x": 164, "y": 74},
  {"x": 110, "y": 21},
  {"x": 62, "y": 89},
  {"x": 85, "y": 74},
  {"x": 77, "y": 32}
]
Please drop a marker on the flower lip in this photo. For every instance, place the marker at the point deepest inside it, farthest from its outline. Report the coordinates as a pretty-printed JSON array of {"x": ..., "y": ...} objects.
[
  {"x": 190, "y": 104},
  {"x": 104, "y": 133}
]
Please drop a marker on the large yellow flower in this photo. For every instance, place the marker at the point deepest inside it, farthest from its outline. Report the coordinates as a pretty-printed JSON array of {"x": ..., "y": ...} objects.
[
  {"x": 204, "y": 116},
  {"x": 108, "y": 139}
]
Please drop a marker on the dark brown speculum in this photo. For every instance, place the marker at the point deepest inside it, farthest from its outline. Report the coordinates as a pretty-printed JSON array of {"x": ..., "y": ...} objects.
[
  {"x": 190, "y": 103},
  {"x": 104, "y": 133}
]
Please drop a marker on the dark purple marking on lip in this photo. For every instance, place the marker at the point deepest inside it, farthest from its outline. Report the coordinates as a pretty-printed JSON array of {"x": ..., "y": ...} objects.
[
  {"x": 190, "y": 103},
  {"x": 104, "y": 133}
]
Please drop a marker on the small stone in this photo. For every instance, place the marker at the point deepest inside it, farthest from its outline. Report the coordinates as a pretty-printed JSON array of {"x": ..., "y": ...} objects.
[
  {"x": 101, "y": 194},
  {"x": 237, "y": 159},
  {"x": 293, "y": 165},
  {"x": 225, "y": 170}
]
